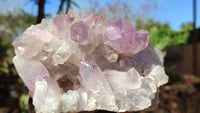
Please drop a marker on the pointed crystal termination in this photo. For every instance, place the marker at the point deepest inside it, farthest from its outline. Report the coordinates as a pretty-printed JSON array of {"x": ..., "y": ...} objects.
[
  {"x": 29, "y": 70},
  {"x": 120, "y": 35},
  {"x": 47, "y": 95},
  {"x": 161, "y": 78},
  {"x": 61, "y": 22},
  {"x": 80, "y": 33},
  {"x": 93, "y": 79},
  {"x": 142, "y": 38},
  {"x": 141, "y": 42},
  {"x": 27, "y": 48},
  {"x": 62, "y": 54},
  {"x": 87, "y": 18},
  {"x": 127, "y": 80}
]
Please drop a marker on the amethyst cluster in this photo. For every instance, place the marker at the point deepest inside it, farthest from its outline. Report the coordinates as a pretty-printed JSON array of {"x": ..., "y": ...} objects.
[{"x": 82, "y": 63}]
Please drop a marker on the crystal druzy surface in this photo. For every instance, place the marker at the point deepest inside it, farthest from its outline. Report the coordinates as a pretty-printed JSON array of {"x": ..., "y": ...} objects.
[{"x": 82, "y": 63}]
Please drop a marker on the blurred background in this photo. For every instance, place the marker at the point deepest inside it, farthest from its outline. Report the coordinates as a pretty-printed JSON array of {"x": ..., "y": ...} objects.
[{"x": 174, "y": 28}]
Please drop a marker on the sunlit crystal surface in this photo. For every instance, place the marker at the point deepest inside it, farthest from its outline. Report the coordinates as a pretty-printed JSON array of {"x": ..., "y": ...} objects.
[
  {"x": 120, "y": 35},
  {"x": 82, "y": 63},
  {"x": 80, "y": 33}
]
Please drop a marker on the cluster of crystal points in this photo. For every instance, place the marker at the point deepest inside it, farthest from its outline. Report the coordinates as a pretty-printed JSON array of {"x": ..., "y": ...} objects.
[{"x": 82, "y": 63}]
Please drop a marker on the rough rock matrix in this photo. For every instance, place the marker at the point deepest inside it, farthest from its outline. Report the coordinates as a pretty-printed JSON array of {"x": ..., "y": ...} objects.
[{"x": 82, "y": 63}]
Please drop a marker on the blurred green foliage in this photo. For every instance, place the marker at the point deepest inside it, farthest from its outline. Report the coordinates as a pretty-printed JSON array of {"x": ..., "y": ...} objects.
[
  {"x": 161, "y": 35},
  {"x": 24, "y": 102},
  {"x": 11, "y": 26}
]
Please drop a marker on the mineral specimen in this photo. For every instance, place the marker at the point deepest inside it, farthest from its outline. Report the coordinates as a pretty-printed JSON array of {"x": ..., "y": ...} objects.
[{"x": 82, "y": 63}]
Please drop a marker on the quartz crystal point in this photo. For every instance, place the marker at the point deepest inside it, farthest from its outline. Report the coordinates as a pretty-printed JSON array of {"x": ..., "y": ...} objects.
[
  {"x": 46, "y": 98},
  {"x": 29, "y": 70},
  {"x": 92, "y": 79},
  {"x": 122, "y": 37},
  {"x": 80, "y": 33},
  {"x": 82, "y": 63}
]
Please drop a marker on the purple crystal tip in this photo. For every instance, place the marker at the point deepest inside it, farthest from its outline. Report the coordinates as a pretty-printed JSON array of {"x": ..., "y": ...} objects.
[
  {"x": 123, "y": 38},
  {"x": 120, "y": 35},
  {"x": 80, "y": 33}
]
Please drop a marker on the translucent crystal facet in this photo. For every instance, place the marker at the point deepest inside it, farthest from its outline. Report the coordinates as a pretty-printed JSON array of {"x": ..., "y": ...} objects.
[
  {"x": 29, "y": 70},
  {"x": 80, "y": 33},
  {"x": 82, "y": 63},
  {"x": 120, "y": 35},
  {"x": 91, "y": 76}
]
